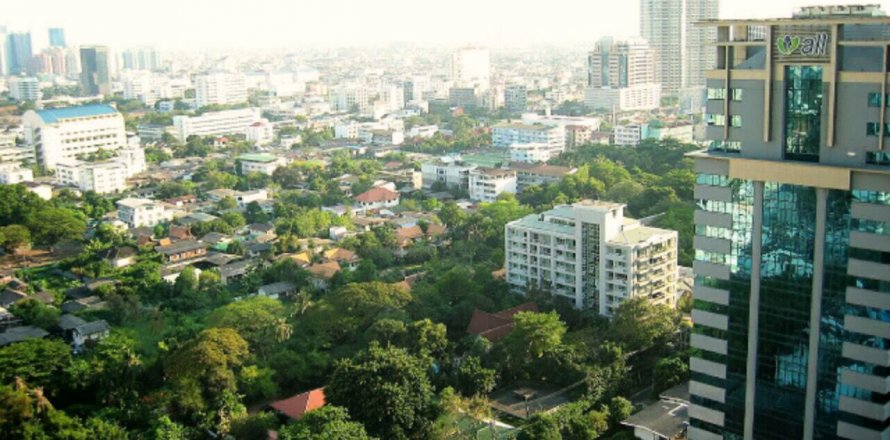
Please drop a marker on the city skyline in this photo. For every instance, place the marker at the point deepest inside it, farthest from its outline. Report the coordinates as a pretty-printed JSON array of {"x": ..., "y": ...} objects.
[{"x": 277, "y": 24}]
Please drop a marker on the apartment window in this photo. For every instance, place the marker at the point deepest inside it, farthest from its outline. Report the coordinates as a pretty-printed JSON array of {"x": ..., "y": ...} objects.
[
  {"x": 716, "y": 120},
  {"x": 877, "y": 158},
  {"x": 716, "y": 94},
  {"x": 735, "y": 120},
  {"x": 874, "y": 128},
  {"x": 803, "y": 112},
  {"x": 874, "y": 99},
  {"x": 737, "y": 94}
]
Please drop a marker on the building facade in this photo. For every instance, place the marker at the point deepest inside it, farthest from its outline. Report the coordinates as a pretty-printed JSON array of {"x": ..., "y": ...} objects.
[
  {"x": 24, "y": 88},
  {"x": 95, "y": 78},
  {"x": 57, "y": 37},
  {"x": 486, "y": 184},
  {"x": 220, "y": 89},
  {"x": 621, "y": 75},
  {"x": 590, "y": 254},
  {"x": 18, "y": 52},
  {"x": 260, "y": 163},
  {"x": 101, "y": 178},
  {"x": 142, "y": 212},
  {"x": 450, "y": 173},
  {"x": 506, "y": 134},
  {"x": 661, "y": 24},
  {"x": 216, "y": 123},
  {"x": 64, "y": 133},
  {"x": 792, "y": 275},
  {"x": 515, "y": 98}
]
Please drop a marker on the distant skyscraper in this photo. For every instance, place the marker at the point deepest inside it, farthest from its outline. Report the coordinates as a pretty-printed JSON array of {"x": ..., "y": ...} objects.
[
  {"x": 94, "y": 76},
  {"x": 141, "y": 58},
  {"x": 18, "y": 52},
  {"x": 220, "y": 88},
  {"x": 471, "y": 66},
  {"x": 621, "y": 76},
  {"x": 57, "y": 37},
  {"x": 515, "y": 97},
  {"x": 3, "y": 66},
  {"x": 791, "y": 314},
  {"x": 681, "y": 50}
]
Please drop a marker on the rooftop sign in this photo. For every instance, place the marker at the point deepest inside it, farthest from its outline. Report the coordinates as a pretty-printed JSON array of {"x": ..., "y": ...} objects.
[{"x": 802, "y": 46}]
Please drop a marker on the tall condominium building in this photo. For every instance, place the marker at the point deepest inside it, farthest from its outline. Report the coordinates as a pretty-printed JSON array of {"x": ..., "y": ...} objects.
[
  {"x": 57, "y": 37},
  {"x": 94, "y": 75},
  {"x": 24, "y": 88},
  {"x": 140, "y": 58},
  {"x": 681, "y": 47},
  {"x": 515, "y": 98},
  {"x": 349, "y": 97},
  {"x": 621, "y": 76},
  {"x": 506, "y": 134},
  {"x": 590, "y": 254},
  {"x": 470, "y": 67},
  {"x": 18, "y": 52},
  {"x": 661, "y": 24},
  {"x": 65, "y": 133},
  {"x": 792, "y": 263},
  {"x": 3, "y": 63},
  {"x": 220, "y": 88},
  {"x": 216, "y": 123}
]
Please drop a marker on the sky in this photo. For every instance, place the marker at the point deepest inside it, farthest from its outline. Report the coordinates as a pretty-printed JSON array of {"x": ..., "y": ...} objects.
[{"x": 276, "y": 24}]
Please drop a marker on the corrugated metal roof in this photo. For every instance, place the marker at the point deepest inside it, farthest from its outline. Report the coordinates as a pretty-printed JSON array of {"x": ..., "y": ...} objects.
[{"x": 50, "y": 116}]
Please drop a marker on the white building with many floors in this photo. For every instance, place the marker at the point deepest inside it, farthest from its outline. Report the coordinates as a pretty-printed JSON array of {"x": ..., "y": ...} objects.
[
  {"x": 216, "y": 123},
  {"x": 64, "y": 133},
  {"x": 142, "y": 212},
  {"x": 486, "y": 184}
]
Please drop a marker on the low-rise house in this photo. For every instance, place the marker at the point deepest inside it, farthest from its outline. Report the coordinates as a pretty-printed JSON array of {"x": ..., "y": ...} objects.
[
  {"x": 121, "y": 257},
  {"x": 142, "y": 212},
  {"x": 496, "y": 326},
  {"x": 296, "y": 406},
  {"x": 260, "y": 163},
  {"x": 182, "y": 251},
  {"x": 234, "y": 271},
  {"x": 89, "y": 303},
  {"x": 171, "y": 272},
  {"x": 321, "y": 274},
  {"x": 408, "y": 235},
  {"x": 377, "y": 198},
  {"x": 666, "y": 419},
  {"x": 89, "y": 332},
  {"x": 344, "y": 257},
  {"x": 217, "y": 240},
  {"x": 19, "y": 334},
  {"x": 530, "y": 174},
  {"x": 276, "y": 290},
  {"x": 182, "y": 201},
  {"x": 303, "y": 259}
]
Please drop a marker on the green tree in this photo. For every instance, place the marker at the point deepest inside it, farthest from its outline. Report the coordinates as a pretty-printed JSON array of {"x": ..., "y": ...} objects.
[
  {"x": 110, "y": 371},
  {"x": 639, "y": 324},
  {"x": 18, "y": 205},
  {"x": 256, "y": 319},
  {"x": 540, "y": 427},
  {"x": 35, "y": 313},
  {"x": 326, "y": 423},
  {"x": 473, "y": 379},
  {"x": 234, "y": 219},
  {"x": 669, "y": 372},
  {"x": 39, "y": 362},
  {"x": 619, "y": 409},
  {"x": 52, "y": 225},
  {"x": 387, "y": 390},
  {"x": 535, "y": 334},
  {"x": 13, "y": 237},
  {"x": 227, "y": 202}
]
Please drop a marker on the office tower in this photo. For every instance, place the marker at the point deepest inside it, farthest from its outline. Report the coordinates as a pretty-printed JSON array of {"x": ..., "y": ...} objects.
[
  {"x": 24, "y": 88},
  {"x": 470, "y": 67},
  {"x": 18, "y": 52},
  {"x": 792, "y": 275},
  {"x": 680, "y": 45},
  {"x": 64, "y": 133},
  {"x": 57, "y": 37},
  {"x": 220, "y": 88},
  {"x": 515, "y": 97},
  {"x": 3, "y": 64},
  {"x": 141, "y": 58},
  {"x": 621, "y": 76},
  {"x": 590, "y": 254},
  {"x": 94, "y": 75}
]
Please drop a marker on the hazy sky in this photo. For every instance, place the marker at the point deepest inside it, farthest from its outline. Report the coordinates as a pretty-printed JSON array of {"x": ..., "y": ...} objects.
[{"x": 196, "y": 24}]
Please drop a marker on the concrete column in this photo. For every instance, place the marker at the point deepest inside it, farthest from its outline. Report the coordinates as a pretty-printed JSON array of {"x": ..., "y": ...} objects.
[
  {"x": 815, "y": 312},
  {"x": 753, "y": 310}
]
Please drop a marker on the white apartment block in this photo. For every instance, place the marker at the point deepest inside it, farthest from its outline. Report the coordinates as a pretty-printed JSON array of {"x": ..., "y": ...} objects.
[
  {"x": 486, "y": 184},
  {"x": 24, "y": 88},
  {"x": 588, "y": 253},
  {"x": 349, "y": 97},
  {"x": 220, "y": 88},
  {"x": 101, "y": 178},
  {"x": 533, "y": 152},
  {"x": 423, "y": 131},
  {"x": 629, "y": 135},
  {"x": 260, "y": 163},
  {"x": 216, "y": 123},
  {"x": 636, "y": 98},
  {"x": 13, "y": 173},
  {"x": 260, "y": 132},
  {"x": 591, "y": 123},
  {"x": 452, "y": 173},
  {"x": 10, "y": 152},
  {"x": 63, "y": 133},
  {"x": 507, "y": 134},
  {"x": 142, "y": 212}
]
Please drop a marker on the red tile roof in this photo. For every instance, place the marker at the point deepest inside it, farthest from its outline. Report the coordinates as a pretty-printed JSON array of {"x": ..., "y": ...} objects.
[
  {"x": 377, "y": 194},
  {"x": 496, "y": 326},
  {"x": 294, "y": 407}
]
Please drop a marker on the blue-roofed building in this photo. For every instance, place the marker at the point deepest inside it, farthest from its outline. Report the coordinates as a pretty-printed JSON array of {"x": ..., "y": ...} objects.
[{"x": 63, "y": 134}]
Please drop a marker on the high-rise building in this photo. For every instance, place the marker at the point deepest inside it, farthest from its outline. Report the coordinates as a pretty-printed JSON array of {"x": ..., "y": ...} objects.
[
  {"x": 64, "y": 133},
  {"x": 621, "y": 76},
  {"x": 18, "y": 52},
  {"x": 591, "y": 255},
  {"x": 3, "y": 64},
  {"x": 220, "y": 89},
  {"x": 94, "y": 70},
  {"x": 661, "y": 24},
  {"x": 57, "y": 37},
  {"x": 680, "y": 45},
  {"x": 515, "y": 98},
  {"x": 24, "y": 88},
  {"x": 141, "y": 58},
  {"x": 792, "y": 262},
  {"x": 470, "y": 67}
]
